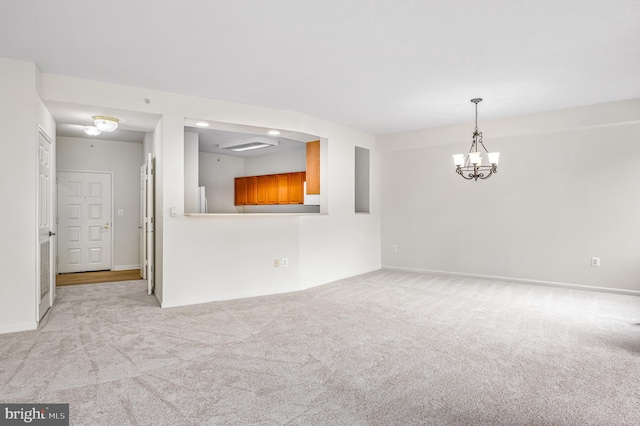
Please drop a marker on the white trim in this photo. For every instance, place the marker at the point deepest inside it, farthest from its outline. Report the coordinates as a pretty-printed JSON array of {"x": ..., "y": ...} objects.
[
  {"x": 519, "y": 280},
  {"x": 126, "y": 268},
  {"x": 19, "y": 327},
  {"x": 208, "y": 299}
]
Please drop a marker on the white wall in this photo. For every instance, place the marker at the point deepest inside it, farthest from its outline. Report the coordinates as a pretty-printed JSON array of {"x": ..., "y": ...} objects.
[
  {"x": 566, "y": 190},
  {"x": 211, "y": 258},
  {"x": 217, "y": 174},
  {"x": 124, "y": 160},
  {"x": 284, "y": 162},
  {"x": 191, "y": 172},
  {"x": 362, "y": 180},
  {"x": 18, "y": 237}
]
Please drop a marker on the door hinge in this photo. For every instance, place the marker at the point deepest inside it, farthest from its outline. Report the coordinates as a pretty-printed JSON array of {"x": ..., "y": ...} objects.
[
  {"x": 57, "y": 179},
  {"x": 57, "y": 220},
  {"x": 57, "y": 259},
  {"x": 151, "y": 220}
]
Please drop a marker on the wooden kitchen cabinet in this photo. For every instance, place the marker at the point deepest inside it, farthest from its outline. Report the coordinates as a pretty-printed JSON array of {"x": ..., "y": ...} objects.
[
  {"x": 313, "y": 167},
  {"x": 296, "y": 188},
  {"x": 240, "y": 191},
  {"x": 283, "y": 188},
  {"x": 272, "y": 189},
  {"x": 262, "y": 190},
  {"x": 252, "y": 195}
]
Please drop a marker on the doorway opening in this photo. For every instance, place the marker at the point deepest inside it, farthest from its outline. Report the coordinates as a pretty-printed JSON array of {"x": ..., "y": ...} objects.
[{"x": 98, "y": 207}]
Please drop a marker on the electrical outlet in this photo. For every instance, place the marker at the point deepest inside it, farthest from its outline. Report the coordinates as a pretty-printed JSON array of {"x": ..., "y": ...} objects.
[
  {"x": 595, "y": 262},
  {"x": 394, "y": 248},
  {"x": 285, "y": 262},
  {"x": 276, "y": 263}
]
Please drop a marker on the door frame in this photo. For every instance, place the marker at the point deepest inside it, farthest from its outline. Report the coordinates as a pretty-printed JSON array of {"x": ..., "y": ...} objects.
[
  {"x": 53, "y": 249},
  {"x": 147, "y": 214},
  {"x": 113, "y": 225}
]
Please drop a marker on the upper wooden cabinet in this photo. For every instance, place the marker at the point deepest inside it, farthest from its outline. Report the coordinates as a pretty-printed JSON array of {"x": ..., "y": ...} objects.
[
  {"x": 272, "y": 189},
  {"x": 252, "y": 193},
  {"x": 296, "y": 188},
  {"x": 240, "y": 192},
  {"x": 262, "y": 190},
  {"x": 283, "y": 188},
  {"x": 313, "y": 167}
]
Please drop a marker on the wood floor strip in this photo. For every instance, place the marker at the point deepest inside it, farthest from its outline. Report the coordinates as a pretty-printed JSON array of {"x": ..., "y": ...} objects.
[{"x": 97, "y": 277}]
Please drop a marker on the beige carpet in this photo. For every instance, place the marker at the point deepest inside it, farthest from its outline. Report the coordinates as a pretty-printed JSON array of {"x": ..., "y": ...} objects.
[{"x": 385, "y": 348}]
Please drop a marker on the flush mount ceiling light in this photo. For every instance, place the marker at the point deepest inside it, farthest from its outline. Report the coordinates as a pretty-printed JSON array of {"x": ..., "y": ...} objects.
[
  {"x": 202, "y": 124},
  {"x": 273, "y": 132},
  {"x": 91, "y": 130},
  {"x": 470, "y": 166},
  {"x": 104, "y": 123},
  {"x": 254, "y": 142}
]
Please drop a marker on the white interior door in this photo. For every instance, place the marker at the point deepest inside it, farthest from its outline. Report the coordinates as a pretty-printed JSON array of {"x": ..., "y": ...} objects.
[
  {"x": 150, "y": 224},
  {"x": 85, "y": 227},
  {"x": 46, "y": 282},
  {"x": 142, "y": 233}
]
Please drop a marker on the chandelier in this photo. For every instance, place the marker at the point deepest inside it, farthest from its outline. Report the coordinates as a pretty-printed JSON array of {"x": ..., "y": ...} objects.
[
  {"x": 469, "y": 166},
  {"x": 104, "y": 123}
]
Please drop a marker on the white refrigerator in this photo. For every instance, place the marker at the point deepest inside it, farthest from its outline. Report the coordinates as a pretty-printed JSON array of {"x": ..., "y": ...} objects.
[{"x": 202, "y": 200}]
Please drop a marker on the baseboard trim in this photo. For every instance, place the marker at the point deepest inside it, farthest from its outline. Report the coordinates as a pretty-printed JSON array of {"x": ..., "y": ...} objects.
[
  {"x": 125, "y": 267},
  {"x": 366, "y": 271},
  {"x": 211, "y": 298},
  {"x": 519, "y": 280},
  {"x": 18, "y": 327}
]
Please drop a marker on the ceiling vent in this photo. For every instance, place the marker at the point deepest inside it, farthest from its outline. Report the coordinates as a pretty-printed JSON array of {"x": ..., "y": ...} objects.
[{"x": 254, "y": 142}]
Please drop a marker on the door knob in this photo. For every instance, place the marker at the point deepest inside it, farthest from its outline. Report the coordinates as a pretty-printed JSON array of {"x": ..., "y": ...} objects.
[
  {"x": 106, "y": 226},
  {"x": 51, "y": 234}
]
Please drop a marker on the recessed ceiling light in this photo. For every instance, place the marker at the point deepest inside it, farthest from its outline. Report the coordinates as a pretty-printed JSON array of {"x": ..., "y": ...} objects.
[
  {"x": 254, "y": 142},
  {"x": 274, "y": 132},
  {"x": 202, "y": 124},
  {"x": 91, "y": 130}
]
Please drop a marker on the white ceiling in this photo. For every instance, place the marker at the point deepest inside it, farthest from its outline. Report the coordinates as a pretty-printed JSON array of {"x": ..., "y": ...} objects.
[
  {"x": 70, "y": 118},
  {"x": 209, "y": 139},
  {"x": 381, "y": 66}
]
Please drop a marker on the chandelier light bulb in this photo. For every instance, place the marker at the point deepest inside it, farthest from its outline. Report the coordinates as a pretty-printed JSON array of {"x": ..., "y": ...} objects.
[
  {"x": 494, "y": 157},
  {"x": 474, "y": 158},
  {"x": 458, "y": 159}
]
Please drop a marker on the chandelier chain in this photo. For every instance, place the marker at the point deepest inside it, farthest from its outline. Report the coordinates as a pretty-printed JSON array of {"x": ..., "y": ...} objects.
[{"x": 476, "y": 129}]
